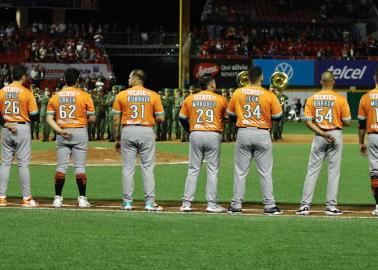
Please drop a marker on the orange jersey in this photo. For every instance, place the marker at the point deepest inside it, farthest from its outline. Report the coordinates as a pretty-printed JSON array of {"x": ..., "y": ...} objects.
[
  {"x": 205, "y": 111},
  {"x": 17, "y": 103},
  {"x": 138, "y": 106},
  {"x": 254, "y": 106},
  {"x": 368, "y": 110},
  {"x": 328, "y": 109},
  {"x": 71, "y": 107}
]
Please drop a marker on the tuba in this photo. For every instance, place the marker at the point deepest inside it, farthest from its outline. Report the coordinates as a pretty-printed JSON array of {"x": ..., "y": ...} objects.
[
  {"x": 242, "y": 78},
  {"x": 279, "y": 80}
]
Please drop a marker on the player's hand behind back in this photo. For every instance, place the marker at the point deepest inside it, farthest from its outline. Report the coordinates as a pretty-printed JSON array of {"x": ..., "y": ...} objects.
[
  {"x": 11, "y": 127},
  {"x": 65, "y": 134},
  {"x": 330, "y": 139}
]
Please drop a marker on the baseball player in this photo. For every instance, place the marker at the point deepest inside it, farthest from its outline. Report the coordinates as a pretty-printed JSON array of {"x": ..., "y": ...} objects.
[
  {"x": 202, "y": 114},
  {"x": 254, "y": 108},
  {"x": 368, "y": 122},
  {"x": 17, "y": 107},
  {"x": 68, "y": 113},
  {"x": 326, "y": 112},
  {"x": 138, "y": 109}
]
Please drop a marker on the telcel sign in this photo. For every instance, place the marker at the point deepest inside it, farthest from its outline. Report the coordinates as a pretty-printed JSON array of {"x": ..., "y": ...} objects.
[{"x": 348, "y": 73}]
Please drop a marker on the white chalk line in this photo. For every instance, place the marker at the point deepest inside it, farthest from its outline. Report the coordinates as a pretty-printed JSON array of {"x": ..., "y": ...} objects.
[{"x": 118, "y": 209}]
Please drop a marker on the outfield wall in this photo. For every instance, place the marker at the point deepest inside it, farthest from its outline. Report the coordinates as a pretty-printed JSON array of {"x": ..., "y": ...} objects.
[{"x": 301, "y": 73}]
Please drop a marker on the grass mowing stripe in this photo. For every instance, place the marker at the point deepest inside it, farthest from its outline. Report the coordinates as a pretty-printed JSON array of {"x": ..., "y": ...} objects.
[{"x": 98, "y": 240}]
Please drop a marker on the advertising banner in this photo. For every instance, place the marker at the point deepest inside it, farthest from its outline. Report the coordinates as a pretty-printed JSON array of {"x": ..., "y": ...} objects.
[
  {"x": 300, "y": 72},
  {"x": 225, "y": 71},
  {"x": 348, "y": 73},
  {"x": 56, "y": 70}
]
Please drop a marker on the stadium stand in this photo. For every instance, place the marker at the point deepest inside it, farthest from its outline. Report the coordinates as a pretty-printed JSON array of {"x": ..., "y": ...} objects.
[
  {"x": 50, "y": 43},
  {"x": 285, "y": 28}
]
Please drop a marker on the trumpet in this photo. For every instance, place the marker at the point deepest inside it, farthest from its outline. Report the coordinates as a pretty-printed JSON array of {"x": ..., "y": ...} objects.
[{"x": 279, "y": 81}]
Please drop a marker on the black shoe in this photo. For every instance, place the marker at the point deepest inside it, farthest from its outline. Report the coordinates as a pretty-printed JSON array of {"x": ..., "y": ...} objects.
[
  {"x": 273, "y": 211},
  {"x": 232, "y": 210}
]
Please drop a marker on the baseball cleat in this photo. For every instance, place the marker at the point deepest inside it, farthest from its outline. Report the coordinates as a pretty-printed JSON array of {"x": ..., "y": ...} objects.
[
  {"x": 29, "y": 202},
  {"x": 128, "y": 206},
  {"x": 304, "y": 210},
  {"x": 232, "y": 210},
  {"x": 375, "y": 212},
  {"x": 153, "y": 207},
  {"x": 215, "y": 209},
  {"x": 333, "y": 211},
  {"x": 83, "y": 202},
  {"x": 58, "y": 202},
  {"x": 273, "y": 211},
  {"x": 3, "y": 201},
  {"x": 185, "y": 208}
]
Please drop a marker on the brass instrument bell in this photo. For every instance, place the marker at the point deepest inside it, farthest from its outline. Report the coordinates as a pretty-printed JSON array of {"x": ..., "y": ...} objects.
[
  {"x": 242, "y": 78},
  {"x": 279, "y": 80}
]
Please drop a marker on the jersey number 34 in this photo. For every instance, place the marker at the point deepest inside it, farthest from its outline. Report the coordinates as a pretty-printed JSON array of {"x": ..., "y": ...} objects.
[{"x": 249, "y": 111}]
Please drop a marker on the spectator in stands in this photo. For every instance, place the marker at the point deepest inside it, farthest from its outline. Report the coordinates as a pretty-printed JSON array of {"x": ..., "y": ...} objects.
[
  {"x": 37, "y": 74},
  {"x": 98, "y": 38}
]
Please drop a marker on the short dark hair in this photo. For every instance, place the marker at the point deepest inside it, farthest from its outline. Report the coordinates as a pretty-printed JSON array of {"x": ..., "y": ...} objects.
[
  {"x": 71, "y": 76},
  {"x": 18, "y": 71},
  {"x": 140, "y": 74},
  {"x": 205, "y": 80},
  {"x": 254, "y": 74}
]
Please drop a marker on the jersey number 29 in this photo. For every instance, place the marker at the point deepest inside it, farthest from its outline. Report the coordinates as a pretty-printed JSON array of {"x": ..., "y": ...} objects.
[{"x": 208, "y": 113}]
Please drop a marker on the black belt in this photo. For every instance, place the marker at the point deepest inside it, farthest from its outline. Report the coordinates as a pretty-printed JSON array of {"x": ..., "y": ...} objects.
[
  {"x": 330, "y": 129},
  {"x": 20, "y": 123},
  {"x": 256, "y": 127}
]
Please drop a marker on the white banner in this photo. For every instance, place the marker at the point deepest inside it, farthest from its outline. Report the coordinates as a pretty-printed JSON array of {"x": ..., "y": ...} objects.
[{"x": 56, "y": 70}]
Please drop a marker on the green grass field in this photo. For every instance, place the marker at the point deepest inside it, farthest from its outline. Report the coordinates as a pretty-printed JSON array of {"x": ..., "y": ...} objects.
[{"x": 45, "y": 239}]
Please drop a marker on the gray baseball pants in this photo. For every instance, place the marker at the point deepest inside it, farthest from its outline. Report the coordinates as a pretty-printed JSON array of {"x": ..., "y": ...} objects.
[
  {"x": 18, "y": 144},
  {"x": 253, "y": 143},
  {"x": 75, "y": 147},
  {"x": 372, "y": 150},
  {"x": 204, "y": 145},
  {"x": 138, "y": 140},
  {"x": 320, "y": 151}
]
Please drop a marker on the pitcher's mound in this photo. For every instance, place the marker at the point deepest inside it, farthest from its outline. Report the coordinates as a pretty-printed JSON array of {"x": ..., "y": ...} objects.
[{"x": 101, "y": 156}]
